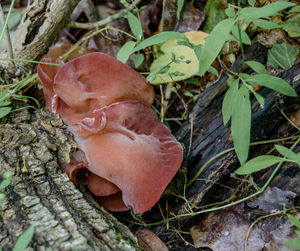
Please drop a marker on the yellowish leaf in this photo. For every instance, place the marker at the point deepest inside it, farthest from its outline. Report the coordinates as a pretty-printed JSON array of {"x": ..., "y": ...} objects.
[{"x": 189, "y": 64}]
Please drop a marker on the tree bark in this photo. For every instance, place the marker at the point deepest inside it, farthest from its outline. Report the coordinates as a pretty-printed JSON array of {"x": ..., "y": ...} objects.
[
  {"x": 40, "y": 25},
  {"x": 41, "y": 194}
]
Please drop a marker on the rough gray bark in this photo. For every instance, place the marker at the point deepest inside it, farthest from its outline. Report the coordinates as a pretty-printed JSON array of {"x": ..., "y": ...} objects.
[
  {"x": 40, "y": 25},
  {"x": 42, "y": 195}
]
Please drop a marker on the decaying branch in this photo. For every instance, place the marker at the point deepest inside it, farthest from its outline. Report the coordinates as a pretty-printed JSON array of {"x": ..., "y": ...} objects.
[
  {"x": 210, "y": 137},
  {"x": 105, "y": 21},
  {"x": 42, "y": 195},
  {"x": 40, "y": 25}
]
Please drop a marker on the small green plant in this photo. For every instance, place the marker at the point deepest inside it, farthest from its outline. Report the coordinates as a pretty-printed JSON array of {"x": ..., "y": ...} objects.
[
  {"x": 236, "y": 104},
  {"x": 265, "y": 161},
  {"x": 294, "y": 243},
  {"x": 11, "y": 91},
  {"x": 24, "y": 240},
  {"x": 4, "y": 182}
]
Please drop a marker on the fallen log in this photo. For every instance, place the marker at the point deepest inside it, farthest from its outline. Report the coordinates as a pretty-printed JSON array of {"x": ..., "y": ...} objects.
[
  {"x": 42, "y": 195},
  {"x": 205, "y": 135}
]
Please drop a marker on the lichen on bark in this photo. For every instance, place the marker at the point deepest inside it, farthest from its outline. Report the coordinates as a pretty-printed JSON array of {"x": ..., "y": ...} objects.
[{"x": 42, "y": 195}]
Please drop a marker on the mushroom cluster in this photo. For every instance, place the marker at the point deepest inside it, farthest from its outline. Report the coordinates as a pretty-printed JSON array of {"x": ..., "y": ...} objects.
[{"x": 126, "y": 156}]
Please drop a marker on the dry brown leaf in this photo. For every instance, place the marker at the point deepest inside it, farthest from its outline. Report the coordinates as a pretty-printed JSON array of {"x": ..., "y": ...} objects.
[{"x": 149, "y": 241}]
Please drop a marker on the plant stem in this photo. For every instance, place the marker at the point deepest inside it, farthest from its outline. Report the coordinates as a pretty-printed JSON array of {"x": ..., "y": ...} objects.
[
  {"x": 28, "y": 61},
  {"x": 6, "y": 21},
  {"x": 89, "y": 26},
  {"x": 8, "y": 40},
  {"x": 230, "y": 150},
  {"x": 260, "y": 191}
]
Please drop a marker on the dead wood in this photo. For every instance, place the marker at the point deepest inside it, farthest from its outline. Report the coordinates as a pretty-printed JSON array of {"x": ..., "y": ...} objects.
[
  {"x": 40, "y": 25},
  {"x": 42, "y": 195},
  {"x": 210, "y": 136}
]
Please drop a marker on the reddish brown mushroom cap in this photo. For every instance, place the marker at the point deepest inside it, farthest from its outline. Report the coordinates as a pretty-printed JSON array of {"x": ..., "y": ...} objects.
[
  {"x": 113, "y": 202},
  {"x": 133, "y": 150},
  {"x": 91, "y": 82},
  {"x": 100, "y": 186},
  {"x": 96, "y": 80}
]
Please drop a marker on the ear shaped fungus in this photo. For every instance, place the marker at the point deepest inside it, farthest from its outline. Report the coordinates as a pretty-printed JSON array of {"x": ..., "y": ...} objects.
[
  {"x": 134, "y": 151},
  {"x": 46, "y": 74},
  {"x": 127, "y": 156}
]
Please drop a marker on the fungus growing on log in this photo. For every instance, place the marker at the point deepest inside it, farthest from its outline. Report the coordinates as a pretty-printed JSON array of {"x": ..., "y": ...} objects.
[{"x": 126, "y": 156}]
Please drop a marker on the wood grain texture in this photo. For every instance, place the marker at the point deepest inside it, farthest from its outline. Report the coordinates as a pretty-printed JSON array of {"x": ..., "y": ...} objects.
[
  {"x": 41, "y": 194},
  {"x": 210, "y": 136},
  {"x": 39, "y": 27}
]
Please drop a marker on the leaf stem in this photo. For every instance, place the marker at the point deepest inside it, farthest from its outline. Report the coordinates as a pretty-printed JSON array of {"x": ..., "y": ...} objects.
[
  {"x": 242, "y": 48},
  {"x": 230, "y": 150}
]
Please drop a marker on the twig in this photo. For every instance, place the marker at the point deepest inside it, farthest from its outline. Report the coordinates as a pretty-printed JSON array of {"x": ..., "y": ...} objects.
[
  {"x": 88, "y": 36},
  {"x": 259, "y": 219},
  {"x": 103, "y": 22}
]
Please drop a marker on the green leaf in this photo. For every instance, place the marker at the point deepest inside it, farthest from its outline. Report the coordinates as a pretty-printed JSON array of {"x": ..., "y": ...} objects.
[
  {"x": 160, "y": 38},
  {"x": 241, "y": 124},
  {"x": 4, "y": 111},
  {"x": 292, "y": 26},
  {"x": 249, "y": 14},
  {"x": 180, "y": 4},
  {"x": 251, "y": 2},
  {"x": 125, "y": 51},
  {"x": 283, "y": 55},
  {"x": 188, "y": 94},
  {"x": 213, "y": 71},
  {"x": 24, "y": 239},
  {"x": 257, "y": 67},
  {"x": 272, "y": 82},
  {"x": 4, "y": 183},
  {"x": 258, "y": 97},
  {"x": 228, "y": 100},
  {"x": 138, "y": 60},
  {"x": 179, "y": 58},
  {"x": 213, "y": 44},
  {"x": 264, "y": 24},
  {"x": 292, "y": 244},
  {"x": 294, "y": 220},
  {"x": 5, "y": 95},
  {"x": 295, "y": 9},
  {"x": 244, "y": 36},
  {"x": 5, "y": 103},
  {"x": 27, "y": 98},
  {"x": 135, "y": 26},
  {"x": 230, "y": 12},
  {"x": 257, "y": 164},
  {"x": 289, "y": 154},
  {"x": 193, "y": 81},
  {"x": 214, "y": 14}
]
